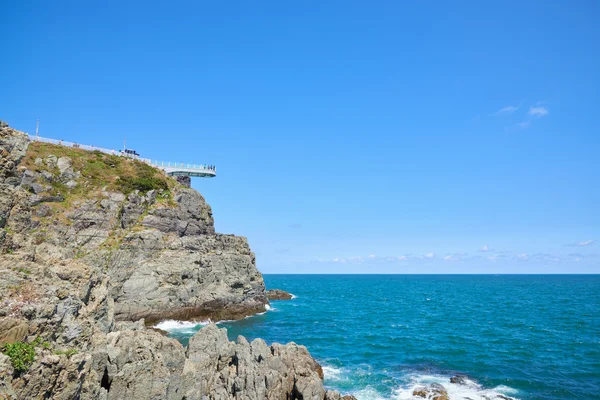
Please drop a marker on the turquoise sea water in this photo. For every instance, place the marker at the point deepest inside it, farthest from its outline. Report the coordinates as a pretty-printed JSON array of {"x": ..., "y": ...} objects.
[{"x": 379, "y": 336}]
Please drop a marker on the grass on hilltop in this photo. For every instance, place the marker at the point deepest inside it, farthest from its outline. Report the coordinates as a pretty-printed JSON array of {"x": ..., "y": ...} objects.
[{"x": 99, "y": 170}]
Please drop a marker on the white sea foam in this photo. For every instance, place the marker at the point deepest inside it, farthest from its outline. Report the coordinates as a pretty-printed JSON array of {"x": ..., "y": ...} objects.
[
  {"x": 368, "y": 393},
  {"x": 267, "y": 307},
  {"x": 294, "y": 296},
  {"x": 180, "y": 326},
  {"x": 332, "y": 373},
  {"x": 470, "y": 389}
]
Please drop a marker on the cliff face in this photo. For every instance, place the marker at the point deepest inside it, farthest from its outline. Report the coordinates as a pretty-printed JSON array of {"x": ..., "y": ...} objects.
[
  {"x": 90, "y": 243},
  {"x": 154, "y": 237}
]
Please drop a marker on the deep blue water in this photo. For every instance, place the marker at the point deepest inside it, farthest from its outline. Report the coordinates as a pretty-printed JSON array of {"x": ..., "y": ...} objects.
[{"x": 378, "y": 336}]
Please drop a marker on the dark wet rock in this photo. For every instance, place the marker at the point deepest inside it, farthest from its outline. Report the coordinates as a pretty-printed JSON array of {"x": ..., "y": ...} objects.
[
  {"x": 459, "y": 380},
  {"x": 434, "y": 391},
  {"x": 276, "y": 294}
]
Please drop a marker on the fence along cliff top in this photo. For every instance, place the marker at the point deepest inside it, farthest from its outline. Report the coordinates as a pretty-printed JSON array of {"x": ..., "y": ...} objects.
[{"x": 171, "y": 168}]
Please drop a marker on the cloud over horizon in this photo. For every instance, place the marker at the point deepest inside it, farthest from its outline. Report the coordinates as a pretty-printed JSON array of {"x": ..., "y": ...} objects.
[
  {"x": 581, "y": 244},
  {"x": 492, "y": 257}
]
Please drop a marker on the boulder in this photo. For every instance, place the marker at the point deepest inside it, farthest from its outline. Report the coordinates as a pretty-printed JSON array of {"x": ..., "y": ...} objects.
[{"x": 64, "y": 164}]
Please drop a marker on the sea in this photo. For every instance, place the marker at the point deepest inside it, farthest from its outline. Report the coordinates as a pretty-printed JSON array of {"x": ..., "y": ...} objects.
[{"x": 381, "y": 336}]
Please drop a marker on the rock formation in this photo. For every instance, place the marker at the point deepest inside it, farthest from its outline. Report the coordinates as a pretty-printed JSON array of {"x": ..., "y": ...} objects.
[
  {"x": 91, "y": 244},
  {"x": 276, "y": 294},
  {"x": 433, "y": 391}
]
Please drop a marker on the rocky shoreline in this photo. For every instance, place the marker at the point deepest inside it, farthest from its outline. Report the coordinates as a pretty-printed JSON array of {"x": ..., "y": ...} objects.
[{"x": 94, "y": 247}]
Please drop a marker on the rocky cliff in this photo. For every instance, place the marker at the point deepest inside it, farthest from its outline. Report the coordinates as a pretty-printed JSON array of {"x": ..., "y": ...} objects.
[{"x": 91, "y": 245}]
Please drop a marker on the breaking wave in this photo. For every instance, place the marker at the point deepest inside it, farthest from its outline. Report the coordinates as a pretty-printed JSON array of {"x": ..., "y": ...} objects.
[{"x": 180, "y": 326}]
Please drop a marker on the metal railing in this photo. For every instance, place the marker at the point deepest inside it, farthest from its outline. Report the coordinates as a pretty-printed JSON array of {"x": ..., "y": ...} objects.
[{"x": 211, "y": 169}]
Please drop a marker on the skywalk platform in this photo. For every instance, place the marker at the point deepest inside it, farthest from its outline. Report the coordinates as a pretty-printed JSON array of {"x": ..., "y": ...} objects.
[{"x": 170, "y": 168}]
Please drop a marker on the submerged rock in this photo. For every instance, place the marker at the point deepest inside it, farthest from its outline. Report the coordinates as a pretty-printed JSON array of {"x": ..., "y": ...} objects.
[{"x": 276, "y": 294}]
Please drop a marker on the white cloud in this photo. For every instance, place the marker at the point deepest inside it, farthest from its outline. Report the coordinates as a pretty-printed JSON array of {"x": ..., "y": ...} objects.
[
  {"x": 485, "y": 248},
  {"x": 372, "y": 256},
  {"x": 538, "y": 111},
  {"x": 507, "y": 110},
  {"x": 402, "y": 258},
  {"x": 586, "y": 243},
  {"x": 429, "y": 255},
  {"x": 447, "y": 257},
  {"x": 523, "y": 256},
  {"x": 581, "y": 244},
  {"x": 356, "y": 258}
]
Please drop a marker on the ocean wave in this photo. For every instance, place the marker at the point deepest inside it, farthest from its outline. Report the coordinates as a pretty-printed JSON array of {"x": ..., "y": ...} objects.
[
  {"x": 332, "y": 373},
  {"x": 368, "y": 393},
  {"x": 470, "y": 389},
  {"x": 171, "y": 325}
]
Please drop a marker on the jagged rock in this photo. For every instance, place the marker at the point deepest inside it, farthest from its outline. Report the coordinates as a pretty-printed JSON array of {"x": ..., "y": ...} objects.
[
  {"x": 248, "y": 370},
  {"x": 433, "y": 391},
  {"x": 276, "y": 294},
  {"x": 71, "y": 184}
]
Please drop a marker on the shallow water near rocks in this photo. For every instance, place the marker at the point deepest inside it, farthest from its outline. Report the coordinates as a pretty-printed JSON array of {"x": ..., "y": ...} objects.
[{"x": 380, "y": 336}]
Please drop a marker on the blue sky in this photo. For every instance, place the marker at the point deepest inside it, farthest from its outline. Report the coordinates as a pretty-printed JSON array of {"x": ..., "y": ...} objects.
[{"x": 393, "y": 136}]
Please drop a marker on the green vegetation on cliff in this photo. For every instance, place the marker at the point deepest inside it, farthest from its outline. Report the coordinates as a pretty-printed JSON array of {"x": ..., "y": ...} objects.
[
  {"x": 115, "y": 173},
  {"x": 21, "y": 355}
]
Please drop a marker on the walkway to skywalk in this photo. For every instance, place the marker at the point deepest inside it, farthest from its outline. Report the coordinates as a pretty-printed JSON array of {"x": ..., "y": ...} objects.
[{"x": 171, "y": 168}]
